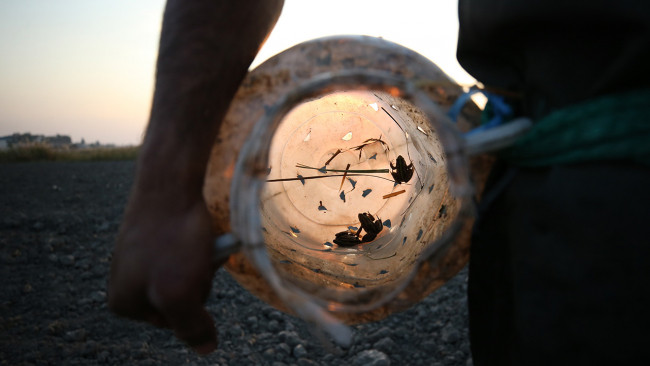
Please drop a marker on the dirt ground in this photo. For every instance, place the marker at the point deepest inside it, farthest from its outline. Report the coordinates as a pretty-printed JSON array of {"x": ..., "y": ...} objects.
[{"x": 58, "y": 222}]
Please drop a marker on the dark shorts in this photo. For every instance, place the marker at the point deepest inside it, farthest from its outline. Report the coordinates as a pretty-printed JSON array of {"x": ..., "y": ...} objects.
[{"x": 560, "y": 267}]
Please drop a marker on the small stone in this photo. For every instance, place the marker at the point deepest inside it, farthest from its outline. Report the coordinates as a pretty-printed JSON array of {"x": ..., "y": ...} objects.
[
  {"x": 274, "y": 326},
  {"x": 98, "y": 270},
  {"x": 103, "y": 356},
  {"x": 89, "y": 348},
  {"x": 289, "y": 337},
  {"x": 430, "y": 344},
  {"x": 83, "y": 264},
  {"x": 328, "y": 358},
  {"x": 449, "y": 334},
  {"x": 245, "y": 351},
  {"x": 104, "y": 226},
  {"x": 306, "y": 362},
  {"x": 98, "y": 296},
  {"x": 289, "y": 326},
  {"x": 382, "y": 332},
  {"x": 84, "y": 301},
  {"x": 11, "y": 223},
  {"x": 299, "y": 351},
  {"x": 371, "y": 358},
  {"x": 55, "y": 327},
  {"x": 284, "y": 348},
  {"x": 269, "y": 353},
  {"x": 451, "y": 360},
  {"x": 464, "y": 347},
  {"x": 385, "y": 345},
  {"x": 264, "y": 336},
  {"x": 66, "y": 260},
  {"x": 78, "y": 335},
  {"x": 235, "y": 331}
]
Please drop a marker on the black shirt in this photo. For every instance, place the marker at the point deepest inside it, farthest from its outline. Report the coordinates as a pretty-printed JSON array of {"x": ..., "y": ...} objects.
[{"x": 556, "y": 52}]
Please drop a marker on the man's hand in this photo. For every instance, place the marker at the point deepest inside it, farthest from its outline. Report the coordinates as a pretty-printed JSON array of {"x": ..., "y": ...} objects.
[{"x": 162, "y": 270}]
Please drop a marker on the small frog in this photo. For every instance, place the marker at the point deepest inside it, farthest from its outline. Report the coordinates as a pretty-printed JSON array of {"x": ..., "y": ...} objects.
[
  {"x": 370, "y": 225},
  {"x": 346, "y": 239},
  {"x": 401, "y": 172}
]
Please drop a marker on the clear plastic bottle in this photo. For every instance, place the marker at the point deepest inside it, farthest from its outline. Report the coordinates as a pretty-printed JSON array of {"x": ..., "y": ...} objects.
[{"x": 312, "y": 143}]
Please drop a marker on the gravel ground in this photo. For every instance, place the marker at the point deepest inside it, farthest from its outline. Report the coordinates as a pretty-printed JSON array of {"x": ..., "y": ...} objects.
[{"x": 57, "y": 226}]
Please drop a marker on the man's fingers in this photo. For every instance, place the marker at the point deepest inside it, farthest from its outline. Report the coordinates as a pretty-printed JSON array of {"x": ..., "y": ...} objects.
[
  {"x": 192, "y": 324},
  {"x": 181, "y": 304},
  {"x": 198, "y": 331}
]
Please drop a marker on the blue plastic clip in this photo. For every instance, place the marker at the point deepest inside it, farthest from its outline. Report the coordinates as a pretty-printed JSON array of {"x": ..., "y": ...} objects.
[{"x": 499, "y": 110}]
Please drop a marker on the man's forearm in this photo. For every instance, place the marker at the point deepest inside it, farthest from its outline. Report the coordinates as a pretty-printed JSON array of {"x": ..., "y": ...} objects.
[{"x": 206, "y": 47}]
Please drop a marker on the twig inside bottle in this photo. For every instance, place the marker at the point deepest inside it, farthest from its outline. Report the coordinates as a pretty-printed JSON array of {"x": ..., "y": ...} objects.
[
  {"x": 325, "y": 176},
  {"x": 342, "y": 171},
  {"x": 345, "y": 174},
  {"x": 333, "y": 156},
  {"x": 394, "y": 194}
]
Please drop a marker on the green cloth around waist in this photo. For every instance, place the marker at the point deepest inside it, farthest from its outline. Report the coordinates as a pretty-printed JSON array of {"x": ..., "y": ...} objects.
[{"x": 613, "y": 127}]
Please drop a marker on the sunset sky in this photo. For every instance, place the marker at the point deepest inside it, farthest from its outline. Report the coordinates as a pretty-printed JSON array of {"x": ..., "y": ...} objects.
[{"x": 85, "y": 68}]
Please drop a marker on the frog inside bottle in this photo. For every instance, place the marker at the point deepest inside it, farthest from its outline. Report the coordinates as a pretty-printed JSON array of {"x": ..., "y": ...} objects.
[{"x": 356, "y": 189}]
